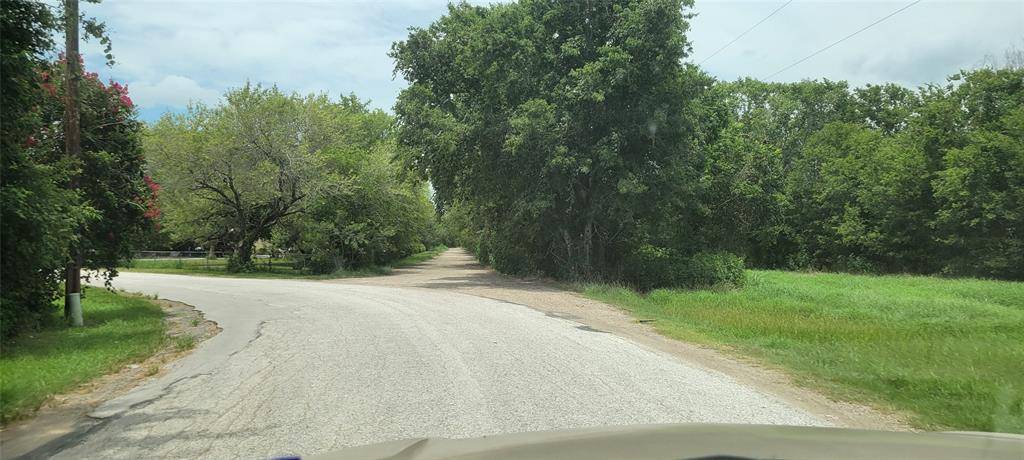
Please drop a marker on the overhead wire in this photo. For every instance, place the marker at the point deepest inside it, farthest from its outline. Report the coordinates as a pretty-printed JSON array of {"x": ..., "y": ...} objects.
[
  {"x": 894, "y": 13},
  {"x": 738, "y": 37}
]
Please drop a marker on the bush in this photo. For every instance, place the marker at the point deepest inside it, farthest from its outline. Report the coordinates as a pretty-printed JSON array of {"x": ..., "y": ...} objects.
[
  {"x": 855, "y": 264},
  {"x": 708, "y": 269},
  {"x": 652, "y": 267},
  {"x": 320, "y": 263}
]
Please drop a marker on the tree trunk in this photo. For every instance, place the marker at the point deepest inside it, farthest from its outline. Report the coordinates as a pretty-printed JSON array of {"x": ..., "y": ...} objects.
[
  {"x": 588, "y": 246},
  {"x": 241, "y": 259}
]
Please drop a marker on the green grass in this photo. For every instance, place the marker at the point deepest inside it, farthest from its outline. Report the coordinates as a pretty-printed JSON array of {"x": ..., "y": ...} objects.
[
  {"x": 119, "y": 329},
  {"x": 948, "y": 351},
  {"x": 265, "y": 268},
  {"x": 184, "y": 342},
  {"x": 419, "y": 257},
  {"x": 275, "y": 268}
]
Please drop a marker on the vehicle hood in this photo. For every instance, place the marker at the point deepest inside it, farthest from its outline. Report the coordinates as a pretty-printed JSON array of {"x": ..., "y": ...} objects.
[{"x": 684, "y": 441}]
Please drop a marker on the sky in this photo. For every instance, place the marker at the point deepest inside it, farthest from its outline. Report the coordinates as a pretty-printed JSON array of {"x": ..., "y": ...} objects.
[{"x": 173, "y": 52}]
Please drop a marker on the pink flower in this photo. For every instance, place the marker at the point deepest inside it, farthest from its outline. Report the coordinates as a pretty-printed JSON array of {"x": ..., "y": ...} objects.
[
  {"x": 152, "y": 207},
  {"x": 152, "y": 184},
  {"x": 50, "y": 88}
]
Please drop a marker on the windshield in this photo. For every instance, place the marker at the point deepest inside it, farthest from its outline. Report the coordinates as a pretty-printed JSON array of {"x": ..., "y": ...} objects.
[{"x": 257, "y": 229}]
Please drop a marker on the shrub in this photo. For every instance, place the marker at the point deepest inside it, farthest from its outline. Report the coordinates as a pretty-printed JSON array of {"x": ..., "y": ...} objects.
[
  {"x": 652, "y": 267},
  {"x": 708, "y": 269}
]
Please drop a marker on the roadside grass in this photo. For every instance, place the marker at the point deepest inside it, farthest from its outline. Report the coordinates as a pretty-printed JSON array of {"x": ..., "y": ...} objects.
[
  {"x": 268, "y": 268},
  {"x": 419, "y": 257},
  {"x": 265, "y": 268},
  {"x": 949, "y": 351},
  {"x": 184, "y": 342},
  {"x": 119, "y": 329}
]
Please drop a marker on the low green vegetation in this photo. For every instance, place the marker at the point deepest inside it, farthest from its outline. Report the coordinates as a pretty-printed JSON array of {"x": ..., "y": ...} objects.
[
  {"x": 271, "y": 268},
  {"x": 184, "y": 342},
  {"x": 277, "y": 268},
  {"x": 119, "y": 329},
  {"x": 419, "y": 257},
  {"x": 950, "y": 351}
]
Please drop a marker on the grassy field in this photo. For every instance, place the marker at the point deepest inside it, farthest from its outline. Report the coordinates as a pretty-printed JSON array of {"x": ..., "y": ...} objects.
[
  {"x": 119, "y": 329},
  {"x": 268, "y": 268},
  {"x": 950, "y": 351}
]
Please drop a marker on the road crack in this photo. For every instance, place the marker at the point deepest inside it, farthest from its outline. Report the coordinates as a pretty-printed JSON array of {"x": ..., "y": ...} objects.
[{"x": 259, "y": 333}]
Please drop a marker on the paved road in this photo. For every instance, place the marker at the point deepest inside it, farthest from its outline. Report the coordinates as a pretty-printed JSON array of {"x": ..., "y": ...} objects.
[{"x": 308, "y": 366}]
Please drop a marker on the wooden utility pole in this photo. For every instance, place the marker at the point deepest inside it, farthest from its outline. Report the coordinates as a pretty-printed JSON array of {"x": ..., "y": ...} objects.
[{"x": 73, "y": 149}]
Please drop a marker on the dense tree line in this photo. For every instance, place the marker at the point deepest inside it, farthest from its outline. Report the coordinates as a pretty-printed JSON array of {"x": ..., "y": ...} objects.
[
  {"x": 312, "y": 176},
  {"x": 880, "y": 178},
  {"x": 570, "y": 139},
  {"x": 110, "y": 205}
]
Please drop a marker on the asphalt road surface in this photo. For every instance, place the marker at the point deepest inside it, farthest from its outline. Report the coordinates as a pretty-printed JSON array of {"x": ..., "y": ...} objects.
[{"x": 304, "y": 367}]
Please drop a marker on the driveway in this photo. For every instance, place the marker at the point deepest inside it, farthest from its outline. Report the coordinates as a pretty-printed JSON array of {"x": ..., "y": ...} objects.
[{"x": 304, "y": 367}]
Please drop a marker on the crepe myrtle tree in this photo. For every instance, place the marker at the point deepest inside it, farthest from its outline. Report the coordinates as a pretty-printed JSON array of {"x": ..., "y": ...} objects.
[
  {"x": 232, "y": 172},
  {"x": 117, "y": 200}
]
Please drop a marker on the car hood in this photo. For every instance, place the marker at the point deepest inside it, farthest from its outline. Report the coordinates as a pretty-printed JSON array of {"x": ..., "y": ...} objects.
[{"x": 684, "y": 441}]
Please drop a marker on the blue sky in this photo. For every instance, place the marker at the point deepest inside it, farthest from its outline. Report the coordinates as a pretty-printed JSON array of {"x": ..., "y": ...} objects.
[{"x": 173, "y": 52}]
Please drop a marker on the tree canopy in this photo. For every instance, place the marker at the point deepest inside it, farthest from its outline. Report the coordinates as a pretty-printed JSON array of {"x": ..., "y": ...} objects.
[
  {"x": 43, "y": 216},
  {"x": 311, "y": 175},
  {"x": 568, "y": 130},
  {"x": 570, "y": 139},
  {"x": 884, "y": 179}
]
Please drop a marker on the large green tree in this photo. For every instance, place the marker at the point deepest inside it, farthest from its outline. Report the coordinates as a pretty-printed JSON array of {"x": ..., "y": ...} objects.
[
  {"x": 879, "y": 178},
  {"x": 369, "y": 211},
  {"x": 118, "y": 198},
  {"x": 569, "y": 130},
  {"x": 312, "y": 176},
  {"x": 232, "y": 172},
  {"x": 42, "y": 215},
  {"x": 979, "y": 190}
]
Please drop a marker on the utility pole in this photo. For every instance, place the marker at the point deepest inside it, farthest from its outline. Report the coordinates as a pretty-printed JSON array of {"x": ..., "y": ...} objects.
[{"x": 73, "y": 149}]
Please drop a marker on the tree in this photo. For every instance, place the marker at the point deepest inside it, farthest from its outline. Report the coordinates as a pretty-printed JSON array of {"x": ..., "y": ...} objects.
[
  {"x": 568, "y": 129},
  {"x": 39, "y": 213},
  {"x": 42, "y": 216},
  {"x": 879, "y": 178},
  {"x": 980, "y": 190},
  {"x": 368, "y": 212},
  {"x": 232, "y": 172},
  {"x": 119, "y": 198}
]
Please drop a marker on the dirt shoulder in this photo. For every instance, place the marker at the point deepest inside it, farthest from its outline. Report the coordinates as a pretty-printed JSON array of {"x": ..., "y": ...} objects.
[
  {"x": 458, "y": 271},
  {"x": 66, "y": 414}
]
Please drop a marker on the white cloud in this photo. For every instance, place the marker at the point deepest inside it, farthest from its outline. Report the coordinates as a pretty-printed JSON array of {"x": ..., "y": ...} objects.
[
  {"x": 171, "y": 91},
  {"x": 925, "y": 43},
  {"x": 174, "y": 51}
]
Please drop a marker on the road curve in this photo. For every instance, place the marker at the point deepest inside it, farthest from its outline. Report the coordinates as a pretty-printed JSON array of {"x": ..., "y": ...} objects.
[{"x": 304, "y": 367}]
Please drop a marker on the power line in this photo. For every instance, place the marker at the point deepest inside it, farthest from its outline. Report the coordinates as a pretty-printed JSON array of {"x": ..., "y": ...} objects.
[
  {"x": 745, "y": 32},
  {"x": 894, "y": 13}
]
